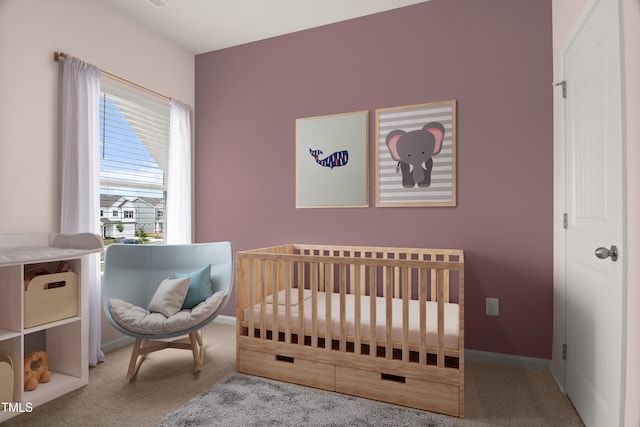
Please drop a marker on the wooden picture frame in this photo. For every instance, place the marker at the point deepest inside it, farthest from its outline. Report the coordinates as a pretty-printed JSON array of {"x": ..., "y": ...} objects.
[
  {"x": 332, "y": 161},
  {"x": 402, "y": 132}
]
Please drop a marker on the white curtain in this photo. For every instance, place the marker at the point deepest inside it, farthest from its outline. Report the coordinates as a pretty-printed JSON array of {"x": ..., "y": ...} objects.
[
  {"x": 178, "y": 224},
  {"x": 80, "y": 165}
]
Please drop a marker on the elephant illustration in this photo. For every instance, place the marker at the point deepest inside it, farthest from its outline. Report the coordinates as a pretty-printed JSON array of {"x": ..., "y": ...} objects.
[{"x": 414, "y": 150}]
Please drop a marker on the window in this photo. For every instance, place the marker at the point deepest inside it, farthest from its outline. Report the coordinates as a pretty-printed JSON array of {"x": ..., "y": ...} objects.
[{"x": 134, "y": 146}]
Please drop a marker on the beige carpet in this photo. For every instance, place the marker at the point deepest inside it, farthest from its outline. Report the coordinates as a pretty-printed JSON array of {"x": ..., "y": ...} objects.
[{"x": 495, "y": 395}]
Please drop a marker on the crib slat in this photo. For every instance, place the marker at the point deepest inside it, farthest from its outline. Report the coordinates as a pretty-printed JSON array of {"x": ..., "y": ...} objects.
[
  {"x": 440, "y": 286},
  {"x": 328, "y": 323},
  {"x": 434, "y": 279},
  {"x": 422, "y": 295},
  {"x": 279, "y": 284},
  {"x": 255, "y": 277},
  {"x": 321, "y": 281},
  {"x": 405, "y": 314},
  {"x": 396, "y": 282},
  {"x": 460, "y": 283},
  {"x": 287, "y": 276},
  {"x": 248, "y": 269},
  {"x": 275, "y": 285},
  {"x": 373, "y": 293},
  {"x": 389, "y": 344},
  {"x": 343, "y": 307},
  {"x": 313, "y": 284},
  {"x": 446, "y": 280},
  {"x": 301, "y": 314},
  {"x": 385, "y": 255},
  {"x": 300, "y": 284},
  {"x": 265, "y": 272},
  {"x": 415, "y": 292},
  {"x": 356, "y": 274},
  {"x": 287, "y": 310}
]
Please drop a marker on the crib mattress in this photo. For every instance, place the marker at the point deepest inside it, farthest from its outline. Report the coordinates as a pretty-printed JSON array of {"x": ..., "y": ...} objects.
[{"x": 451, "y": 317}]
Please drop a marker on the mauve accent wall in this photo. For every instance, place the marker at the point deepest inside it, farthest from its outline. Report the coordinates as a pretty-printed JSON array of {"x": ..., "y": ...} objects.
[{"x": 494, "y": 57}]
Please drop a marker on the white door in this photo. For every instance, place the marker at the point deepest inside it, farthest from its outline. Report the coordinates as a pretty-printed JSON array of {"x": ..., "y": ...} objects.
[{"x": 595, "y": 212}]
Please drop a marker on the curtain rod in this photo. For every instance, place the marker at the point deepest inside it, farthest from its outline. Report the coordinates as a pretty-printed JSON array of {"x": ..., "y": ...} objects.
[{"x": 60, "y": 56}]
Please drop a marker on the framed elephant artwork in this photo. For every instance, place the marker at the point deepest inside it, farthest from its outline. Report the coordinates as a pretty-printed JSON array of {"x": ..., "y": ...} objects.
[
  {"x": 332, "y": 161},
  {"x": 416, "y": 155}
]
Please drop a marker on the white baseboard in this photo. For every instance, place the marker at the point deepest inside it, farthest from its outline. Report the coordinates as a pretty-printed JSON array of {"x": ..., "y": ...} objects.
[
  {"x": 508, "y": 359},
  {"x": 225, "y": 320},
  {"x": 557, "y": 376},
  {"x": 117, "y": 343}
]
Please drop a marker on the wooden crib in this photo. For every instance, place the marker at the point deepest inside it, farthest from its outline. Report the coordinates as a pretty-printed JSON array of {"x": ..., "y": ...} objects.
[{"x": 328, "y": 298}]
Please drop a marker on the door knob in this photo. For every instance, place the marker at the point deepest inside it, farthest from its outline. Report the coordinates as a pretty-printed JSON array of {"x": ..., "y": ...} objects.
[{"x": 604, "y": 253}]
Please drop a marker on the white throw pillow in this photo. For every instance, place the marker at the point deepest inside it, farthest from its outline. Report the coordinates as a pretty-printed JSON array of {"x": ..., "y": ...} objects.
[{"x": 169, "y": 296}]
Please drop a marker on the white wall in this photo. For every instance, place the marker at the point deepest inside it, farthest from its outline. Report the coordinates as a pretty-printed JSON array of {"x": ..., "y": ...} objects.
[
  {"x": 565, "y": 15},
  {"x": 30, "y": 31}
]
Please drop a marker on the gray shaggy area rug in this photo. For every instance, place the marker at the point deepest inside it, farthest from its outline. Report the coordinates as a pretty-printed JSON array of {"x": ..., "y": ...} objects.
[{"x": 244, "y": 400}]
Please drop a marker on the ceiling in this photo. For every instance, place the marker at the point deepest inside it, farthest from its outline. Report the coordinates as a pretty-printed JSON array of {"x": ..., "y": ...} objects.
[{"x": 200, "y": 26}]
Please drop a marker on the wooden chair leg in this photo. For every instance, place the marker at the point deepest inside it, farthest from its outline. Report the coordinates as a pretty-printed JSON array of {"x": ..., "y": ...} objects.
[
  {"x": 197, "y": 348},
  {"x": 142, "y": 347},
  {"x": 137, "y": 346}
]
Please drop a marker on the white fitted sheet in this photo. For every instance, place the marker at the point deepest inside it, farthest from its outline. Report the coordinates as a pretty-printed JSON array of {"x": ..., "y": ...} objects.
[{"x": 451, "y": 317}]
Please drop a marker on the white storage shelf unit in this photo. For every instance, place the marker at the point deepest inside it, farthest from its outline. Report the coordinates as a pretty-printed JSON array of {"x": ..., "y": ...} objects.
[{"x": 64, "y": 340}]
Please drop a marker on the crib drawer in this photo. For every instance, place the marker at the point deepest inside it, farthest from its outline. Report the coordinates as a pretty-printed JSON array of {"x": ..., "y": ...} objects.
[
  {"x": 294, "y": 370},
  {"x": 406, "y": 391}
]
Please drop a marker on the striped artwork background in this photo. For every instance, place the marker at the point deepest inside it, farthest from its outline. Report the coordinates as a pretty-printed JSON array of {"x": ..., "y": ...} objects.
[{"x": 442, "y": 191}]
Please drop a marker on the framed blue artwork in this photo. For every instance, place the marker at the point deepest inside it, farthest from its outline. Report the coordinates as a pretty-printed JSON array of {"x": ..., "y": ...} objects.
[{"x": 332, "y": 161}]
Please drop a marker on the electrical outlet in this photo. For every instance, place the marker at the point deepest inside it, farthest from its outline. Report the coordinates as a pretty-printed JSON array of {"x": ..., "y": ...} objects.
[{"x": 493, "y": 307}]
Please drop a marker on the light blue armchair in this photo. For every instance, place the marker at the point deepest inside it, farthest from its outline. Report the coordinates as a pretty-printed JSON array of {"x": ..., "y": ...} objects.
[{"x": 132, "y": 275}]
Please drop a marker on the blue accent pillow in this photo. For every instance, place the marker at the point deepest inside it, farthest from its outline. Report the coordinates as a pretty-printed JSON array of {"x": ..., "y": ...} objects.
[{"x": 199, "y": 288}]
